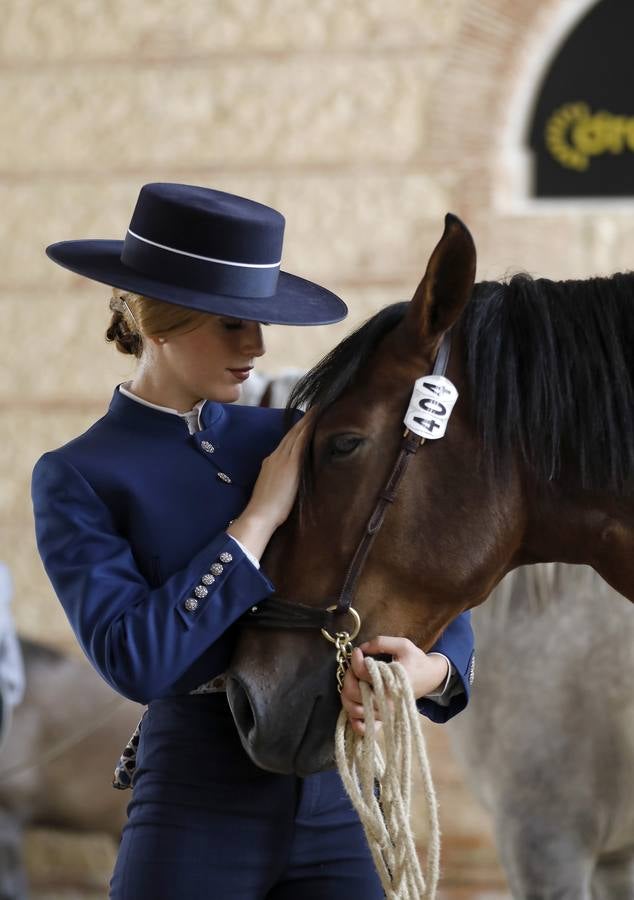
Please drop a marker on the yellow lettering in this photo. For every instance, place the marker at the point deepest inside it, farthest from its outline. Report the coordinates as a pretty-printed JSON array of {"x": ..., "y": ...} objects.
[
  {"x": 558, "y": 135},
  {"x": 573, "y": 135}
]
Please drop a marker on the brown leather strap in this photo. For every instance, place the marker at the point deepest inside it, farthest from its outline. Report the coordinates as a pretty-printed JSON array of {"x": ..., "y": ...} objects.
[
  {"x": 409, "y": 445},
  {"x": 278, "y": 613}
]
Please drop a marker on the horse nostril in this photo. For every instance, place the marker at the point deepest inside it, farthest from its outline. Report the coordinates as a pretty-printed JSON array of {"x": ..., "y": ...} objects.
[{"x": 241, "y": 708}]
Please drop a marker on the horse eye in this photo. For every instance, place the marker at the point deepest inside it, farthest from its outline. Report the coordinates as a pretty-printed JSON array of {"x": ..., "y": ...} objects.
[{"x": 344, "y": 444}]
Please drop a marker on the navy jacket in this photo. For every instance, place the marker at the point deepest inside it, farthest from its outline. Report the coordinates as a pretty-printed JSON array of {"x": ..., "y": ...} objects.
[{"x": 129, "y": 518}]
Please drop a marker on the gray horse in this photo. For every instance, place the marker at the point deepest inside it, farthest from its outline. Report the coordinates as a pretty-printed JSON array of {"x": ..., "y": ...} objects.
[
  {"x": 55, "y": 765},
  {"x": 548, "y": 738}
]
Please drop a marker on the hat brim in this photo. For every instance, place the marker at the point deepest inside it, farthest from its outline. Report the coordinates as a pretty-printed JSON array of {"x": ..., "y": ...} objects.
[{"x": 296, "y": 301}]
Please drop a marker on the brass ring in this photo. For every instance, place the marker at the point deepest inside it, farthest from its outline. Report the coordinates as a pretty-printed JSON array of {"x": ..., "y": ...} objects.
[{"x": 357, "y": 624}]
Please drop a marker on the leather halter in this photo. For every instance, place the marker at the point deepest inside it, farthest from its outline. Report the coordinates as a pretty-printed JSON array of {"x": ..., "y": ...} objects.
[{"x": 278, "y": 613}]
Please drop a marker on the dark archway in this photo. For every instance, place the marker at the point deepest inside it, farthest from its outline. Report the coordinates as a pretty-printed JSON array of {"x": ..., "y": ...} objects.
[{"x": 582, "y": 131}]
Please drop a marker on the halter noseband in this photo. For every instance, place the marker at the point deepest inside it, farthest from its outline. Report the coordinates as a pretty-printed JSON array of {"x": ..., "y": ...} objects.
[{"x": 279, "y": 613}]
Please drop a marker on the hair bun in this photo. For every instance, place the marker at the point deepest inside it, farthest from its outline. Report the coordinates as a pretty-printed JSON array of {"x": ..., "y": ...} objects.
[{"x": 126, "y": 341}]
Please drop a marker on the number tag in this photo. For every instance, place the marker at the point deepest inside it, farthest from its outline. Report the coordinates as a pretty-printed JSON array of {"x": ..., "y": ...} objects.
[{"x": 432, "y": 401}]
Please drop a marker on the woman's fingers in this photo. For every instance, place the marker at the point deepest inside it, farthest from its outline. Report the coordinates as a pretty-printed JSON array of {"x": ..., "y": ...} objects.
[
  {"x": 352, "y": 701},
  {"x": 351, "y": 690},
  {"x": 358, "y": 666},
  {"x": 426, "y": 672},
  {"x": 296, "y": 436},
  {"x": 359, "y": 726},
  {"x": 354, "y": 710},
  {"x": 393, "y": 646}
]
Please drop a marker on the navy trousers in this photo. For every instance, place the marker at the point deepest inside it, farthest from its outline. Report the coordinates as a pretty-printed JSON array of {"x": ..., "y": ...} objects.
[{"x": 204, "y": 822}]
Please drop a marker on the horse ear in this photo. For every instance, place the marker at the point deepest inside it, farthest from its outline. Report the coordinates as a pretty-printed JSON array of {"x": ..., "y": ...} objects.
[{"x": 445, "y": 288}]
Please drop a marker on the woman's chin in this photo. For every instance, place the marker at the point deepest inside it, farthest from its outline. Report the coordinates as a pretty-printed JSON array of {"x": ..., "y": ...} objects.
[{"x": 229, "y": 394}]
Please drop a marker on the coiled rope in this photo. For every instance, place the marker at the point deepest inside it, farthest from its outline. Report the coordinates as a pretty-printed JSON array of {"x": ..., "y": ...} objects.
[{"x": 385, "y": 812}]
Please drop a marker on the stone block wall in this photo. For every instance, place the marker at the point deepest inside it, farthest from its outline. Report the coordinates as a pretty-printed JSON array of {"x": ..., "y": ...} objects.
[{"x": 363, "y": 121}]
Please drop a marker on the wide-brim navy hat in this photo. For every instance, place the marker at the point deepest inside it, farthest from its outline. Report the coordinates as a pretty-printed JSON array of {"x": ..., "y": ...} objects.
[{"x": 206, "y": 250}]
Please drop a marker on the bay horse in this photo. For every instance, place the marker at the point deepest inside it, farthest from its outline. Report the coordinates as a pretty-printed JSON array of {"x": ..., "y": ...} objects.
[{"x": 537, "y": 465}]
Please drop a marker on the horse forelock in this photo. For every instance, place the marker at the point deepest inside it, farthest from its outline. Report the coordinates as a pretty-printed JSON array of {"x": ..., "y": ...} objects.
[
  {"x": 327, "y": 380},
  {"x": 324, "y": 384}
]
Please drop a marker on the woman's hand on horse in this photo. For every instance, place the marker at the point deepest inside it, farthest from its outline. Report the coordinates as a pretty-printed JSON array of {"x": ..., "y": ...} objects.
[
  {"x": 275, "y": 490},
  {"x": 425, "y": 672}
]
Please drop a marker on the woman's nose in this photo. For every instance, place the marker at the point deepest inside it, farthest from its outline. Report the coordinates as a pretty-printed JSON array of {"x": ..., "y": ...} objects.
[{"x": 252, "y": 343}]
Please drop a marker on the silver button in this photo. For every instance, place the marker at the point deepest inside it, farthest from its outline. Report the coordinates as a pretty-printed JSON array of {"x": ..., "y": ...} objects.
[
  {"x": 191, "y": 604},
  {"x": 208, "y": 579},
  {"x": 223, "y": 477},
  {"x": 207, "y": 447},
  {"x": 201, "y": 591},
  {"x": 216, "y": 569},
  {"x": 225, "y": 557}
]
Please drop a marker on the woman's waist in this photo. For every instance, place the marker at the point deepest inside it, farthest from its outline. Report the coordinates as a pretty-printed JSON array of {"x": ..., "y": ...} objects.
[
  {"x": 192, "y": 738},
  {"x": 197, "y": 709}
]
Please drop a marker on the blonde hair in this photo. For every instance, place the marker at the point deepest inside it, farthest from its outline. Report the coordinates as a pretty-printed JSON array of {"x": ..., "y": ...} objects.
[{"x": 135, "y": 316}]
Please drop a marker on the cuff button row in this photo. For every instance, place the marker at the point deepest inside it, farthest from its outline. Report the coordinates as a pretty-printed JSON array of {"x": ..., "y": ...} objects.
[{"x": 201, "y": 590}]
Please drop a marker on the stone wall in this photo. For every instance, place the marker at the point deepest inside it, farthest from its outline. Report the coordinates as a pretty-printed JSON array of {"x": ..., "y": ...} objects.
[{"x": 363, "y": 121}]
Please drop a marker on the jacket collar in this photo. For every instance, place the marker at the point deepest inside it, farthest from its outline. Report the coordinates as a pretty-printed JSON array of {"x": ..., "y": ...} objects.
[
  {"x": 143, "y": 415},
  {"x": 230, "y": 430},
  {"x": 191, "y": 417}
]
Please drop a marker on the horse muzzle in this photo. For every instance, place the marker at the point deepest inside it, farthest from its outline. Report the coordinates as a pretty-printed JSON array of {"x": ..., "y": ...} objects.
[{"x": 285, "y": 707}]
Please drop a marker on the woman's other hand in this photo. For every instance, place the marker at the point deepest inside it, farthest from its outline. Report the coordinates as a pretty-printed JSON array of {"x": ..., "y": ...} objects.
[{"x": 426, "y": 672}]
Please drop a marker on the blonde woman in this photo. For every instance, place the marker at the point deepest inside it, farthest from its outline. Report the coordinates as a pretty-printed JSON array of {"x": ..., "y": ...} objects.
[{"x": 151, "y": 525}]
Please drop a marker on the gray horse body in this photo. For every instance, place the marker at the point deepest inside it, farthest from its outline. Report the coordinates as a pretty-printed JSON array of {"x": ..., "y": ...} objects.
[
  {"x": 548, "y": 738},
  {"x": 62, "y": 746}
]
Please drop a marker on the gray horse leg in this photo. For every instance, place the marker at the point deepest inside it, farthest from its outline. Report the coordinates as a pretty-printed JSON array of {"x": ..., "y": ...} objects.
[
  {"x": 614, "y": 877},
  {"x": 13, "y": 883},
  {"x": 542, "y": 864}
]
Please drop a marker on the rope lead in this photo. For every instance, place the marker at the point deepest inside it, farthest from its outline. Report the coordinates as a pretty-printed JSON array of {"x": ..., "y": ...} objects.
[{"x": 385, "y": 813}]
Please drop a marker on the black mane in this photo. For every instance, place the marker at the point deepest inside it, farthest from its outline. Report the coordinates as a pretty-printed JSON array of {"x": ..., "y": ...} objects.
[
  {"x": 551, "y": 371},
  {"x": 550, "y": 366}
]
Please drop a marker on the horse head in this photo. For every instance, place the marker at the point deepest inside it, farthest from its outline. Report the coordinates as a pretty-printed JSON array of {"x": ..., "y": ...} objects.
[
  {"x": 536, "y": 465},
  {"x": 416, "y": 577}
]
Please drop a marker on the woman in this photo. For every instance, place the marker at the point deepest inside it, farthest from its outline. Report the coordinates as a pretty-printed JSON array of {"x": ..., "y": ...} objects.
[{"x": 151, "y": 525}]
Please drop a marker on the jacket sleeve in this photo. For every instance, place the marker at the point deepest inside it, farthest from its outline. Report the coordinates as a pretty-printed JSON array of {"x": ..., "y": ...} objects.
[
  {"x": 141, "y": 640},
  {"x": 456, "y": 643}
]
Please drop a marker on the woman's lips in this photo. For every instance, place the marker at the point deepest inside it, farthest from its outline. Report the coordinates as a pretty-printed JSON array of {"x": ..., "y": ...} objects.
[{"x": 241, "y": 374}]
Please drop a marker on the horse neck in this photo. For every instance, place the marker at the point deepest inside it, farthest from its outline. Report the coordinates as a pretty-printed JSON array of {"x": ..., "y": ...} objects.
[{"x": 579, "y": 527}]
